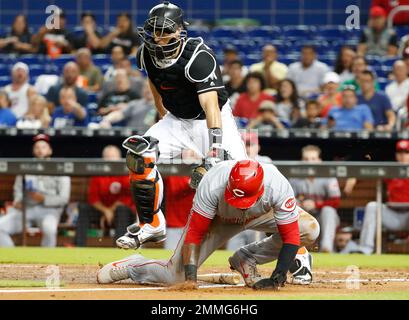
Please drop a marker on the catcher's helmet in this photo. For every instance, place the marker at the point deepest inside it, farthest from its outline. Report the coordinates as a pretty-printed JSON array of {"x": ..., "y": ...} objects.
[
  {"x": 165, "y": 18},
  {"x": 245, "y": 185}
]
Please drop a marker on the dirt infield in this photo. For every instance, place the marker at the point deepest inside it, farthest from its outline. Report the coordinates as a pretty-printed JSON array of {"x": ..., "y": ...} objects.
[{"x": 79, "y": 283}]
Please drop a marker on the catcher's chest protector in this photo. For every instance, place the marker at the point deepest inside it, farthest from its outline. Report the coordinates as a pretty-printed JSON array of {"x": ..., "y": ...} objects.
[{"x": 179, "y": 93}]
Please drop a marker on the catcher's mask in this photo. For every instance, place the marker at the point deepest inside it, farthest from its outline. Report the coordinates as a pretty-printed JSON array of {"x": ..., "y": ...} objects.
[{"x": 165, "y": 21}]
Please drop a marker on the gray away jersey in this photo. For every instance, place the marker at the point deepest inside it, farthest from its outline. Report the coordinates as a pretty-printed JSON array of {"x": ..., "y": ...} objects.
[{"x": 278, "y": 196}]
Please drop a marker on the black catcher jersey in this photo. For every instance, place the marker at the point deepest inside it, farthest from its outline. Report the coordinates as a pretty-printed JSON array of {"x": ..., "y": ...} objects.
[{"x": 193, "y": 72}]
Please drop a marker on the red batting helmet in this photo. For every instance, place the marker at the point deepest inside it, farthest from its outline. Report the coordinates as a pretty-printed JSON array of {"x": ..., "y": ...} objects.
[{"x": 245, "y": 185}]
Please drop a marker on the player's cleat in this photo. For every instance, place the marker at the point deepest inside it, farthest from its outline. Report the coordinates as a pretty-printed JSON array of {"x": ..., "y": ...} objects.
[
  {"x": 138, "y": 235},
  {"x": 301, "y": 269},
  {"x": 247, "y": 269},
  {"x": 117, "y": 270}
]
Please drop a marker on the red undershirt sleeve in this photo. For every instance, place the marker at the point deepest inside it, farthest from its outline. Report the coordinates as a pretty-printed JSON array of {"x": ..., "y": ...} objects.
[
  {"x": 198, "y": 226},
  {"x": 290, "y": 233}
]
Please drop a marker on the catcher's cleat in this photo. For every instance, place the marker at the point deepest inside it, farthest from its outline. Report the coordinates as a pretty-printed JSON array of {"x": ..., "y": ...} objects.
[
  {"x": 138, "y": 235},
  {"x": 116, "y": 271},
  {"x": 247, "y": 269},
  {"x": 301, "y": 269}
]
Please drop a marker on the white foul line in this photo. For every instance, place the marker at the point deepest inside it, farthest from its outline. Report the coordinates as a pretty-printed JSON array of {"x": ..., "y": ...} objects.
[
  {"x": 110, "y": 289},
  {"x": 169, "y": 288}
]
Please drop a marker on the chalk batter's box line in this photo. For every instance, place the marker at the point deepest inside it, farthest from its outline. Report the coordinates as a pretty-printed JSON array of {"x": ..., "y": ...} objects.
[{"x": 200, "y": 287}]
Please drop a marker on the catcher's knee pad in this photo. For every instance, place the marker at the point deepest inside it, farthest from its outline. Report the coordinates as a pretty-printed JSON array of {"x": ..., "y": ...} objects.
[{"x": 142, "y": 154}]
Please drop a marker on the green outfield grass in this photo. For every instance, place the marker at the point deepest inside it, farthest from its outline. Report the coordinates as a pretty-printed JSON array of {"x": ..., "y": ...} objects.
[
  {"x": 24, "y": 284},
  {"x": 90, "y": 256}
]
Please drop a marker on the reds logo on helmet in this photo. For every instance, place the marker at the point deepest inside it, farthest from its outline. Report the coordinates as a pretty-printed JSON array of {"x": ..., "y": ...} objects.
[
  {"x": 289, "y": 204},
  {"x": 238, "y": 193}
]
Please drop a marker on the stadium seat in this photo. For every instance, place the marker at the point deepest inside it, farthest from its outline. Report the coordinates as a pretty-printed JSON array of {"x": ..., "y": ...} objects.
[
  {"x": 4, "y": 80},
  {"x": 101, "y": 59},
  {"x": 293, "y": 33},
  {"x": 265, "y": 33}
]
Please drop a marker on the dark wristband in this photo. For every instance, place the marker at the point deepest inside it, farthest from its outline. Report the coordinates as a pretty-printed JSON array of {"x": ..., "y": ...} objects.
[
  {"x": 286, "y": 258},
  {"x": 190, "y": 272}
]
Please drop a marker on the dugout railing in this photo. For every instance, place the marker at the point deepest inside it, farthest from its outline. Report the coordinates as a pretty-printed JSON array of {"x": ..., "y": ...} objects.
[{"x": 92, "y": 167}]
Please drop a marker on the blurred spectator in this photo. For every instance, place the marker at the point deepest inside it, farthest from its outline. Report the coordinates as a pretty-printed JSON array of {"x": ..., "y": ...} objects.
[
  {"x": 405, "y": 58},
  {"x": 312, "y": 119},
  {"x": 253, "y": 148},
  {"x": 289, "y": 107},
  {"x": 70, "y": 113},
  {"x": 350, "y": 116},
  {"x": 69, "y": 79},
  {"x": 109, "y": 202},
  {"x": 90, "y": 75},
  {"x": 250, "y": 139},
  {"x": 130, "y": 71},
  {"x": 119, "y": 97},
  {"x": 267, "y": 118},
  {"x": 236, "y": 84},
  {"x": 136, "y": 82},
  {"x": 331, "y": 96},
  {"x": 230, "y": 54},
  {"x": 138, "y": 114},
  {"x": 343, "y": 64},
  {"x": 117, "y": 55},
  {"x": 377, "y": 38},
  {"x": 359, "y": 64},
  {"x": 123, "y": 35},
  {"x": 248, "y": 103},
  {"x": 19, "y": 91},
  {"x": 7, "y": 117},
  {"x": 378, "y": 102},
  {"x": 398, "y": 90},
  {"x": 53, "y": 42},
  {"x": 308, "y": 73},
  {"x": 19, "y": 39},
  {"x": 272, "y": 70},
  {"x": 89, "y": 37},
  {"x": 37, "y": 116},
  {"x": 402, "y": 17},
  {"x": 320, "y": 197},
  {"x": 44, "y": 200},
  {"x": 395, "y": 212}
]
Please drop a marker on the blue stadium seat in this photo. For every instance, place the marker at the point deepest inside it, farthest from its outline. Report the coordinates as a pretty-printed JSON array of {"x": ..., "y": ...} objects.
[
  {"x": 62, "y": 60},
  {"x": 303, "y": 33},
  {"x": 92, "y": 97},
  {"x": 267, "y": 33},
  {"x": 331, "y": 33},
  {"x": 101, "y": 59},
  {"x": 31, "y": 59},
  {"x": 225, "y": 32},
  {"x": 4, "y": 80},
  {"x": 389, "y": 61},
  {"x": 37, "y": 70},
  {"x": 383, "y": 82}
]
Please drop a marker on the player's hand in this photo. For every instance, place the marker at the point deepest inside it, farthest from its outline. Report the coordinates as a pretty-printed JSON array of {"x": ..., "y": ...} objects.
[
  {"x": 18, "y": 205},
  {"x": 276, "y": 281},
  {"x": 109, "y": 216},
  {"x": 36, "y": 196}
]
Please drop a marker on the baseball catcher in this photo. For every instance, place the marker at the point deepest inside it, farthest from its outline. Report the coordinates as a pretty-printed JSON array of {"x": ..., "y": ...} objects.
[
  {"x": 189, "y": 95},
  {"x": 232, "y": 197}
]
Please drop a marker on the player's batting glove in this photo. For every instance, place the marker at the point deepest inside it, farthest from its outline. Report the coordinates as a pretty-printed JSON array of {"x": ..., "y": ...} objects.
[{"x": 276, "y": 281}]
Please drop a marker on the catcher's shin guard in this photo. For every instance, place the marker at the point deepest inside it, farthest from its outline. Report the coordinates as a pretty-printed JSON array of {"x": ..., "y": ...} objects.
[{"x": 146, "y": 190}]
